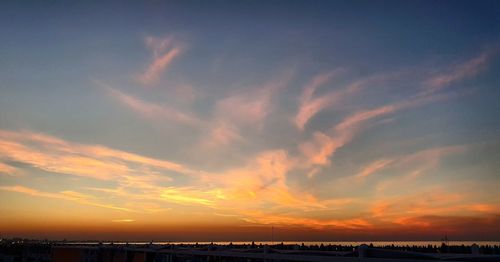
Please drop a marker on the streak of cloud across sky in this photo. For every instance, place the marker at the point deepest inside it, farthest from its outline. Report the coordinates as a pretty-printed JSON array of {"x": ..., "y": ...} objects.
[{"x": 217, "y": 120}]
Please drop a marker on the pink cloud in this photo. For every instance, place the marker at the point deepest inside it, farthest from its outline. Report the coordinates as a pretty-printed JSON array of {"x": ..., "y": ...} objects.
[
  {"x": 358, "y": 118},
  {"x": 374, "y": 167},
  {"x": 158, "y": 45},
  {"x": 322, "y": 146},
  {"x": 252, "y": 106},
  {"x": 154, "y": 111},
  {"x": 246, "y": 109},
  {"x": 318, "y": 150},
  {"x": 222, "y": 134},
  {"x": 162, "y": 58},
  {"x": 310, "y": 106},
  {"x": 460, "y": 71}
]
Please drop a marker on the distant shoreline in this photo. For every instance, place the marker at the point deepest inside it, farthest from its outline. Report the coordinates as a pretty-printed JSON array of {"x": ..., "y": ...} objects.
[{"x": 307, "y": 243}]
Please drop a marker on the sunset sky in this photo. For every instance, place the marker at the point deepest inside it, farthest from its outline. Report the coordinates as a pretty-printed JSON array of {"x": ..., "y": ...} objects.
[{"x": 217, "y": 120}]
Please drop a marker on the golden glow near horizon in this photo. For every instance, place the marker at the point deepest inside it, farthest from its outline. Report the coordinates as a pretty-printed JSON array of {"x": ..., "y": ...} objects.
[{"x": 151, "y": 136}]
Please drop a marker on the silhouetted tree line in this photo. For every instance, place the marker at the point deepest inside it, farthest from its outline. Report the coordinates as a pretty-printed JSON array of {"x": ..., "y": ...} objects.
[{"x": 19, "y": 246}]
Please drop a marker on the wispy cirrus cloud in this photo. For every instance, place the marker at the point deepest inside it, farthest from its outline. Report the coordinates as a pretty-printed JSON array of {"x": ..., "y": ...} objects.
[
  {"x": 158, "y": 45},
  {"x": 410, "y": 209},
  {"x": 323, "y": 145},
  {"x": 126, "y": 220},
  {"x": 140, "y": 178},
  {"x": 77, "y": 197},
  {"x": 251, "y": 106},
  {"x": 391, "y": 175},
  {"x": 137, "y": 177},
  {"x": 222, "y": 133},
  {"x": 319, "y": 149},
  {"x": 154, "y": 111},
  {"x": 413, "y": 164},
  {"x": 460, "y": 71},
  {"x": 310, "y": 106},
  {"x": 263, "y": 182},
  {"x": 95, "y": 161},
  {"x": 265, "y": 218},
  {"x": 164, "y": 50},
  {"x": 7, "y": 169},
  {"x": 260, "y": 183},
  {"x": 451, "y": 73},
  {"x": 433, "y": 207},
  {"x": 247, "y": 109},
  {"x": 186, "y": 195},
  {"x": 374, "y": 167},
  {"x": 429, "y": 158}
]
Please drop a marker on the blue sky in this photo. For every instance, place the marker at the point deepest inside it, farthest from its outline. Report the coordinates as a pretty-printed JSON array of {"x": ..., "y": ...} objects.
[{"x": 361, "y": 116}]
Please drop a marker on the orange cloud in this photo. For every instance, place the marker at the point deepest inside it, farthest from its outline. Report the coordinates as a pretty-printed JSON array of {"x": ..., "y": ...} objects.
[
  {"x": 94, "y": 161},
  {"x": 260, "y": 217},
  {"x": 259, "y": 184},
  {"x": 409, "y": 209},
  {"x": 64, "y": 195},
  {"x": 186, "y": 196},
  {"x": 485, "y": 208},
  {"x": 126, "y": 220},
  {"x": 6, "y": 169}
]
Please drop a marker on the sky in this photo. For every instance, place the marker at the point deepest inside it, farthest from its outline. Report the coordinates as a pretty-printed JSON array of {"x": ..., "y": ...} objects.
[{"x": 220, "y": 120}]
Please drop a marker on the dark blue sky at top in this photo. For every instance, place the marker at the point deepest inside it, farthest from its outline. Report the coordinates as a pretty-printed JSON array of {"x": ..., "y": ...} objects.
[
  {"x": 398, "y": 31},
  {"x": 47, "y": 44}
]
